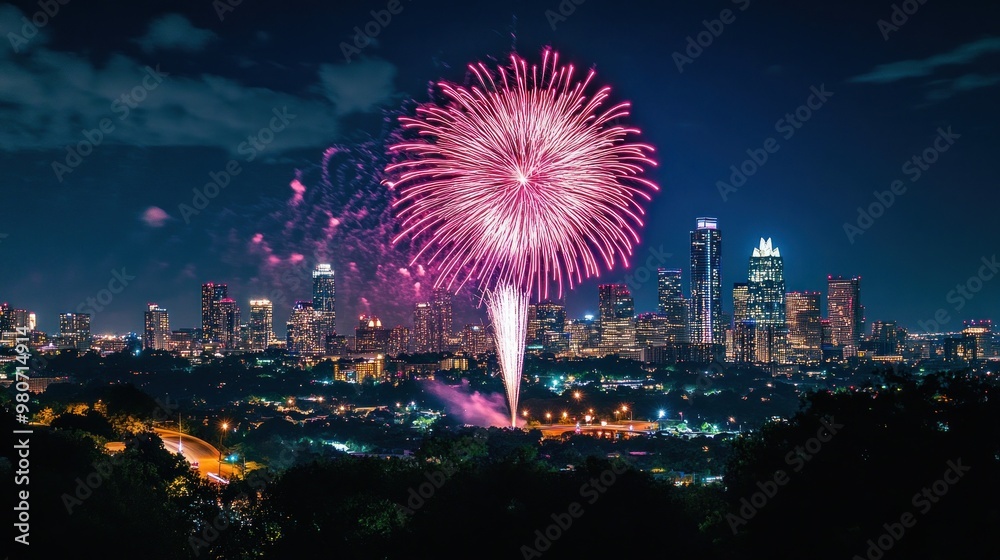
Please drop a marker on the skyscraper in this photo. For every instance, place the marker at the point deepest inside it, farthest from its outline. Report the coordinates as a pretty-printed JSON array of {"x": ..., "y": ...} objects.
[
  {"x": 422, "y": 328},
  {"x": 843, "y": 303},
  {"x": 671, "y": 304},
  {"x": 370, "y": 337},
  {"x": 261, "y": 324},
  {"x": 74, "y": 329},
  {"x": 766, "y": 302},
  {"x": 324, "y": 302},
  {"x": 399, "y": 340},
  {"x": 982, "y": 331},
  {"x": 211, "y": 320},
  {"x": 740, "y": 296},
  {"x": 442, "y": 319},
  {"x": 229, "y": 322},
  {"x": 706, "y": 283},
  {"x": 156, "y": 332},
  {"x": 805, "y": 327},
  {"x": 617, "y": 313},
  {"x": 302, "y": 337}
]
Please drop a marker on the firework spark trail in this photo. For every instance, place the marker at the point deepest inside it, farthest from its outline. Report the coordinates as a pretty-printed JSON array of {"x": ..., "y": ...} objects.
[
  {"x": 508, "y": 310},
  {"x": 518, "y": 182}
]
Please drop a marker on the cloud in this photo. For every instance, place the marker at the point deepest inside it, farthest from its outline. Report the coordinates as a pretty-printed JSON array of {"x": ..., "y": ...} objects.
[
  {"x": 896, "y": 71},
  {"x": 154, "y": 216},
  {"x": 943, "y": 89},
  {"x": 358, "y": 87},
  {"x": 174, "y": 32},
  {"x": 48, "y": 98}
]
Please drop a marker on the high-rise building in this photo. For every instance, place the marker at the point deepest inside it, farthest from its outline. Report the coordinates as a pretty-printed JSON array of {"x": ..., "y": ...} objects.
[
  {"x": 846, "y": 314},
  {"x": 423, "y": 328},
  {"x": 546, "y": 326},
  {"x": 74, "y": 329},
  {"x": 617, "y": 315},
  {"x": 324, "y": 302},
  {"x": 652, "y": 329},
  {"x": 441, "y": 327},
  {"x": 156, "y": 332},
  {"x": 399, "y": 341},
  {"x": 766, "y": 302},
  {"x": 671, "y": 304},
  {"x": 370, "y": 337},
  {"x": 11, "y": 320},
  {"x": 261, "y": 324},
  {"x": 476, "y": 340},
  {"x": 887, "y": 339},
  {"x": 805, "y": 328},
  {"x": 982, "y": 332},
  {"x": 740, "y": 297},
  {"x": 706, "y": 283},
  {"x": 303, "y": 337},
  {"x": 211, "y": 318},
  {"x": 229, "y": 323}
]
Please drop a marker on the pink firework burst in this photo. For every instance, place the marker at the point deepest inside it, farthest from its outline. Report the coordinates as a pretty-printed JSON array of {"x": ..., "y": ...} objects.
[{"x": 522, "y": 180}]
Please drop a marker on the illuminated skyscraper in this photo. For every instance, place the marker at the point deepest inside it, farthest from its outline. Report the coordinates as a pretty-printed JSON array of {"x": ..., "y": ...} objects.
[
  {"x": 652, "y": 329},
  {"x": 302, "y": 336},
  {"x": 706, "y": 283},
  {"x": 671, "y": 304},
  {"x": 617, "y": 315},
  {"x": 476, "y": 340},
  {"x": 846, "y": 314},
  {"x": 982, "y": 332},
  {"x": 740, "y": 297},
  {"x": 805, "y": 328},
  {"x": 229, "y": 323},
  {"x": 370, "y": 337},
  {"x": 546, "y": 325},
  {"x": 766, "y": 303},
  {"x": 261, "y": 324},
  {"x": 399, "y": 341},
  {"x": 441, "y": 326},
  {"x": 156, "y": 332},
  {"x": 211, "y": 319},
  {"x": 423, "y": 328},
  {"x": 324, "y": 302},
  {"x": 74, "y": 329}
]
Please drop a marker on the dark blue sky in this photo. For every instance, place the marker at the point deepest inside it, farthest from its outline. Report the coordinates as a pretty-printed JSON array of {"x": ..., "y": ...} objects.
[{"x": 121, "y": 205}]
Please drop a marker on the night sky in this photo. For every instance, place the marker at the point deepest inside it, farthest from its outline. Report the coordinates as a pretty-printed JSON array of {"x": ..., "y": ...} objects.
[{"x": 221, "y": 79}]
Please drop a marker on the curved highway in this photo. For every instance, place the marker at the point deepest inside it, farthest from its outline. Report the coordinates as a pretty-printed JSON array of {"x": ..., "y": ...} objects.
[{"x": 196, "y": 450}]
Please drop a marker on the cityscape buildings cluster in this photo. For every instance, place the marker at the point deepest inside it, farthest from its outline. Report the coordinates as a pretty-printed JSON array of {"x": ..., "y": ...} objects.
[{"x": 769, "y": 326}]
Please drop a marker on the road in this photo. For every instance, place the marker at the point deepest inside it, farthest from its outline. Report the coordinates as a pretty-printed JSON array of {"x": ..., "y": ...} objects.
[
  {"x": 194, "y": 449},
  {"x": 557, "y": 430}
]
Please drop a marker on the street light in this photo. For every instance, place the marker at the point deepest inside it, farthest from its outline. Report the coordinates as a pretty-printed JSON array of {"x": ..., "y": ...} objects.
[
  {"x": 548, "y": 416},
  {"x": 222, "y": 439}
]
